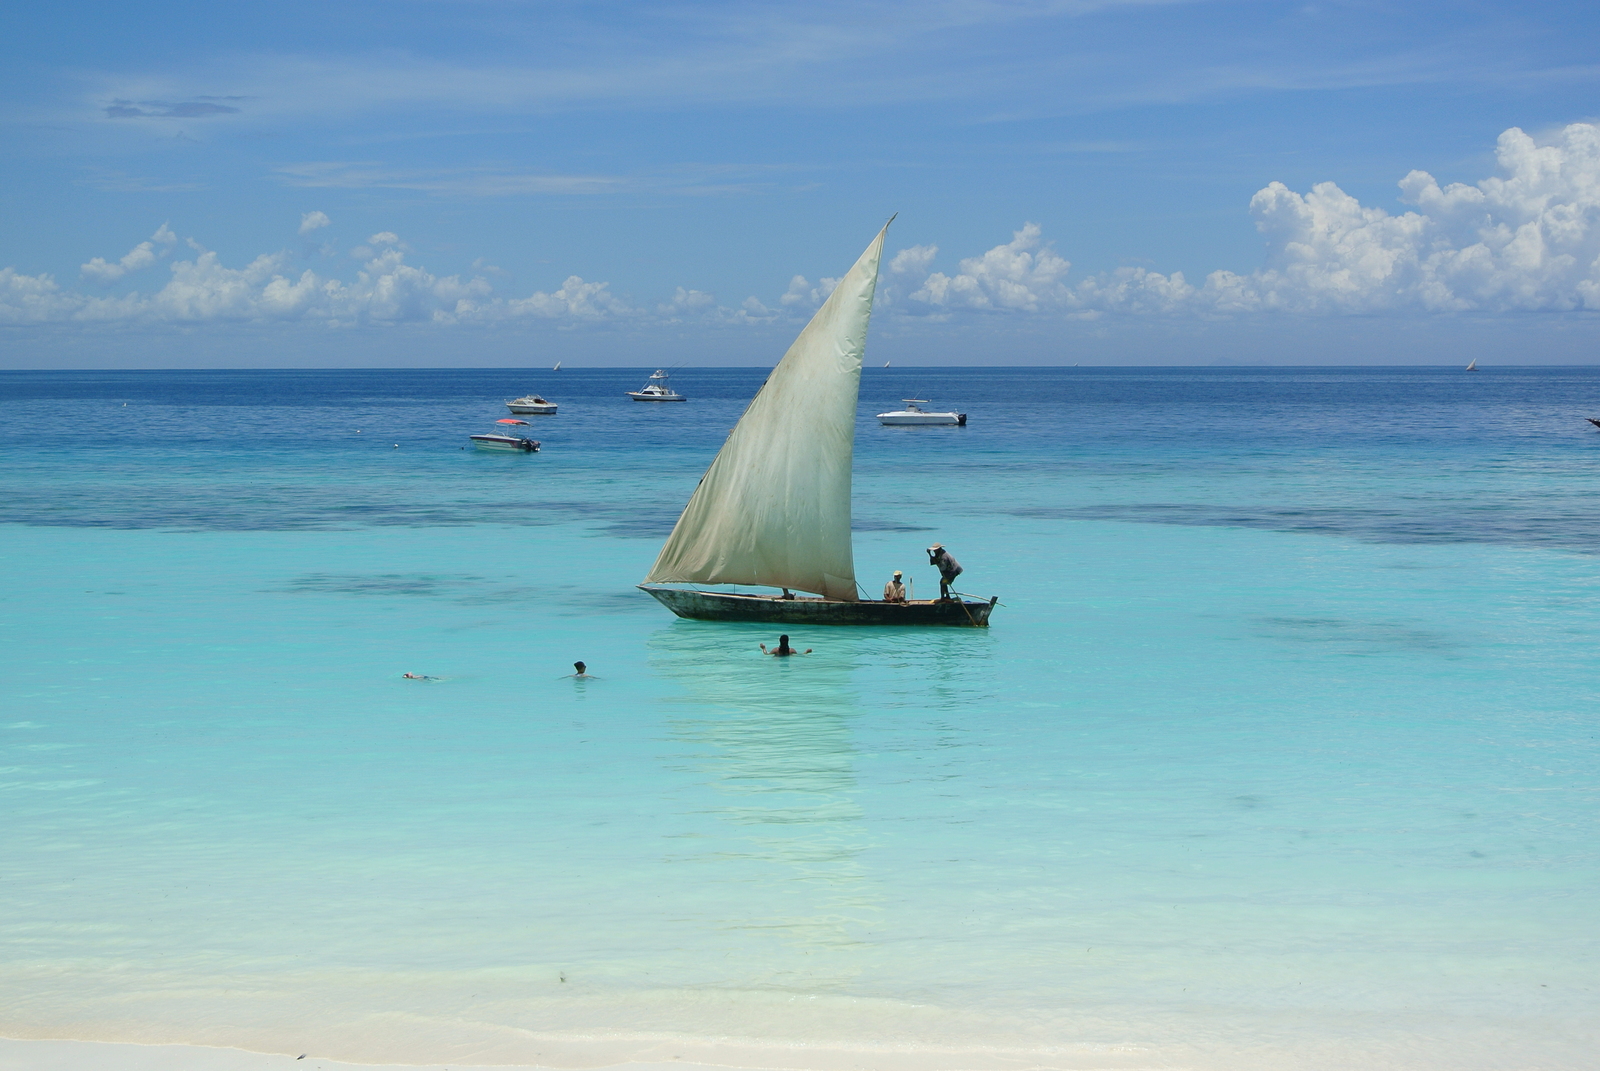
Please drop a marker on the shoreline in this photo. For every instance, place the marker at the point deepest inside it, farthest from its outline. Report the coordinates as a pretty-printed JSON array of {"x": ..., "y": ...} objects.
[
  {"x": 56, "y": 1054},
  {"x": 62, "y": 1054}
]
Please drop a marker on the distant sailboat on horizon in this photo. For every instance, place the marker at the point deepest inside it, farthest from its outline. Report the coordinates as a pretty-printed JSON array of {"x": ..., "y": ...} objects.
[
  {"x": 1472, "y": 366},
  {"x": 773, "y": 509},
  {"x": 557, "y": 368}
]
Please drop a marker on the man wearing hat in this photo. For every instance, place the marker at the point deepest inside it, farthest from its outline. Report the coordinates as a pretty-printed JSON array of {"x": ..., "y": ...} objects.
[
  {"x": 948, "y": 568},
  {"x": 894, "y": 590}
]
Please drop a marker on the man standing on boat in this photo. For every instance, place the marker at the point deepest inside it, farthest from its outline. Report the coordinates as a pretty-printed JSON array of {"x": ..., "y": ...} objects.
[
  {"x": 948, "y": 568},
  {"x": 895, "y": 589}
]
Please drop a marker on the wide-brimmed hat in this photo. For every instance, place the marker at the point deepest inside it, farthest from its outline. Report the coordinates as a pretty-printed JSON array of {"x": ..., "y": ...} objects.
[{"x": 937, "y": 546}]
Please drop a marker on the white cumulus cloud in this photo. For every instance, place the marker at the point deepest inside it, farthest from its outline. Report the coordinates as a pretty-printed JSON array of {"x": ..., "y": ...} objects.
[
  {"x": 1527, "y": 240},
  {"x": 310, "y": 221},
  {"x": 385, "y": 290},
  {"x": 914, "y": 261},
  {"x": 701, "y": 306},
  {"x": 1024, "y": 274},
  {"x": 140, "y": 256},
  {"x": 1524, "y": 240},
  {"x": 801, "y": 293},
  {"x": 687, "y": 301},
  {"x": 573, "y": 300},
  {"x": 34, "y": 299}
]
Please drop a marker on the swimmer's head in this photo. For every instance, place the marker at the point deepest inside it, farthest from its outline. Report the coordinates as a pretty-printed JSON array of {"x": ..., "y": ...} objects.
[{"x": 580, "y": 667}]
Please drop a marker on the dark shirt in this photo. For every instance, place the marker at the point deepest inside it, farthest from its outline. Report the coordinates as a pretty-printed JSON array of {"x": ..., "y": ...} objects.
[{"x": 949, "y": 568}]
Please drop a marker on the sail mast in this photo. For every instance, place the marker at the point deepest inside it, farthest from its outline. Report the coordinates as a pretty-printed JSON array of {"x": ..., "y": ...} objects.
[{"x": 774, "y": 507}]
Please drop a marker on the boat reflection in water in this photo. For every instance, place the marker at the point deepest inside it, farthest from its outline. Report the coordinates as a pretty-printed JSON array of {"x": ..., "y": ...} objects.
[{"x": 771, "y": 745}]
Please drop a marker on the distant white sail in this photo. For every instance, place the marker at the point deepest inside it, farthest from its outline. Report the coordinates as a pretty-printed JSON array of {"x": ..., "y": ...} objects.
[{"x": 774, "y": 507}]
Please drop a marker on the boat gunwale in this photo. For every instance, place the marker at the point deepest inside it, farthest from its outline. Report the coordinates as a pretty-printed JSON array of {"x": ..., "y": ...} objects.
[{"x": 699, "y": 604}]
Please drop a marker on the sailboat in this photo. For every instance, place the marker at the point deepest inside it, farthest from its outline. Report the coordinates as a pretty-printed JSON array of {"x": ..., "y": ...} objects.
[
  {"x": 773, "y": 509},
  {"x": 1472, "y": 365},
  {"x": 557, "y": 368}
]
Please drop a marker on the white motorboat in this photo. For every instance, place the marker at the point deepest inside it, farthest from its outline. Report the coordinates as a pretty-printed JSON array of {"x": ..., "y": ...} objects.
[
  {"x": 506, "y": 440},
  {"x": 656, "y": 390},
  {"x": 530, "y": 403},
  {"x": 914, "y": 414}
]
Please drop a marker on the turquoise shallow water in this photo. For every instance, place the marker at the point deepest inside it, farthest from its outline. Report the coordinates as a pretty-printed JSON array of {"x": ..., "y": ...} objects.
[{"x": 1281, "y": 751}]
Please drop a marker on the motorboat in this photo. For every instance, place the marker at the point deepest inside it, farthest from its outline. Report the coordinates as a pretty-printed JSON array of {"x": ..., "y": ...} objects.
[
  {"x": 530, "y": 403},
  {"x": 913, "y": 413},
  {"x": 656, "y": 390},
  {"x": 507, "y": 439},
  {"x": 493, "y": 441},
  {"x": 758, "y": 517}
]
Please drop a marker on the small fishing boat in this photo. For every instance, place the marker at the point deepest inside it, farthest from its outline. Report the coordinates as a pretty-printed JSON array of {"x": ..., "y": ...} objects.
[
  {"x": 656, "y": 390},
  {"x": 530, "y": 403},
  {"x": 774, "y": 507},
  {"x": 913, "y": 414},
  {"x": 506, "y": 440}
]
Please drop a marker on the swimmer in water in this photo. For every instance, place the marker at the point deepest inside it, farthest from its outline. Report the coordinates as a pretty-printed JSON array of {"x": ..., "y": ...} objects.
[
  {"x": 783, "y": 649},
  {"x": 583, "y": 673},
  {"x": 419, "y": 677}
]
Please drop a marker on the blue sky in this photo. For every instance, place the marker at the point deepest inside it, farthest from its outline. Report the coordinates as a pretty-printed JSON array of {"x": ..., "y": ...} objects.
[{"x": 480, "y": 183}]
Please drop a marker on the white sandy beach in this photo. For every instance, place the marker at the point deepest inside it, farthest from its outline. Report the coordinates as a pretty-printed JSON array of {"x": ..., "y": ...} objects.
[
  {"x": 62, "y": 1055},
  {"x": 24, "y": 1055}
]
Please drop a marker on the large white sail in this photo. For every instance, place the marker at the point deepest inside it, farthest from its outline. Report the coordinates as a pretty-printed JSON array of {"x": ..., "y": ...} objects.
[{"x": 774, "y": 507}]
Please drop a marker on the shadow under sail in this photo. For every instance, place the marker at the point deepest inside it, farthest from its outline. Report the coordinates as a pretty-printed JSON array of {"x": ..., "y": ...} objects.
[{"x": 774, "y": 507}]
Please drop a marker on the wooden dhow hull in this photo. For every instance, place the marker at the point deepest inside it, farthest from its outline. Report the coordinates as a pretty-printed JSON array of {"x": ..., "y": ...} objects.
[{"x": 811, "y": 610}]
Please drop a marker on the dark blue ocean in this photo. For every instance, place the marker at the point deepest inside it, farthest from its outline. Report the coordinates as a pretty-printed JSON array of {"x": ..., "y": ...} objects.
[{"x": 1280, "y": 753}]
